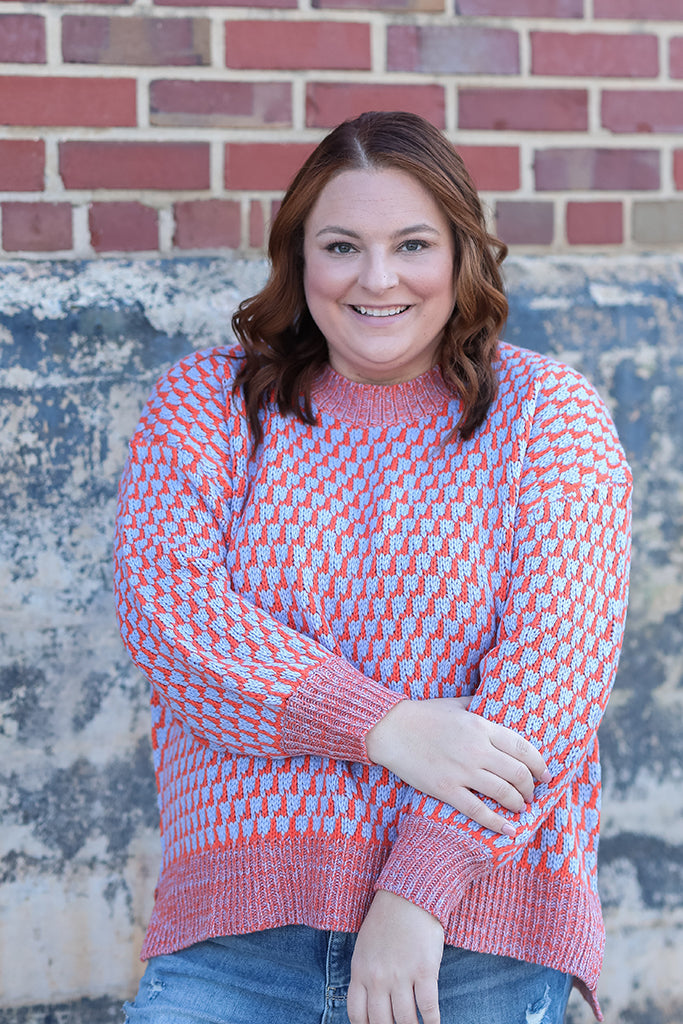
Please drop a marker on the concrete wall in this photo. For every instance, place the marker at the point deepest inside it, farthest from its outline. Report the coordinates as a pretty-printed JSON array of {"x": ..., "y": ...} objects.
[{"x": 80, "y": 347}]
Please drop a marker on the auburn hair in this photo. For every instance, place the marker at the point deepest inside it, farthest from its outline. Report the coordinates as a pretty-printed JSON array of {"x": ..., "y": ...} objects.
[{"x": 284, "y": 350}]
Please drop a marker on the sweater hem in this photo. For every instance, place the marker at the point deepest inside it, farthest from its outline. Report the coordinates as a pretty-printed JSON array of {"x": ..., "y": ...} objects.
[{"x": 536, "y": 917}]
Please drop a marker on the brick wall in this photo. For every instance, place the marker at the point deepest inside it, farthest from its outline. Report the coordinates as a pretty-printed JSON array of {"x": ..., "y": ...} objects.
[{"x": 175, "y": 126}]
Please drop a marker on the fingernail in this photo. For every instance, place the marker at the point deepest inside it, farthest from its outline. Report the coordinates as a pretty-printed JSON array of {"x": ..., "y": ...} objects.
[
  {"x": 546, "y": 777},
  {"x": 509, "y": 830}
]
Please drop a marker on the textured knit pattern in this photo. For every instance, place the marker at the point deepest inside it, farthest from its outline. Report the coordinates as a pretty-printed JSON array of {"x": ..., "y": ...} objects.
[{"x": 280, "y": 605}]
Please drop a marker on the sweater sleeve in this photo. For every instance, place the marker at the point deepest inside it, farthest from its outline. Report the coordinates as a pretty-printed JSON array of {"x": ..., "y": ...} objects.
[
  {"x": 554, "y": 660},
  {"x": 233, "y": 675}
]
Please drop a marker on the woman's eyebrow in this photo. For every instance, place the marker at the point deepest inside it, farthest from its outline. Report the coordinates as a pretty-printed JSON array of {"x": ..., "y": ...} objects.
[
  {"x": 337, "y": 229},
  {"x": 415, "y": 229}
]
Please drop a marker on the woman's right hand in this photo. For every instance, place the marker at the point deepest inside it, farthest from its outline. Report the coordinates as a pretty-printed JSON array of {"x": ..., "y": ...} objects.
[{"x": 440, "y": 748}]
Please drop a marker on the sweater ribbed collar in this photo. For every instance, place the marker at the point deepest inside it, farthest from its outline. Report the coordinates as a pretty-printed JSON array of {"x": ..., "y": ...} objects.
[{"x": 382, "y": 404}]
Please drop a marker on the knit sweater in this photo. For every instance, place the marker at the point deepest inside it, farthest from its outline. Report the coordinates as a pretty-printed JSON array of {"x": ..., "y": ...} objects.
[{"x": 280, "y": 603}]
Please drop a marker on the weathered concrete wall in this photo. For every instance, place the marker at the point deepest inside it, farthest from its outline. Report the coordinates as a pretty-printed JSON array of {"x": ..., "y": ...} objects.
[{"x": 81, "y": 345}]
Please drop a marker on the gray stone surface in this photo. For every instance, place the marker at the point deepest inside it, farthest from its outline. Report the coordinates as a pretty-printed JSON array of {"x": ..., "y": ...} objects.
[
  {"x": 80, "y": 346},
  {"x": 658, "y": 223}
]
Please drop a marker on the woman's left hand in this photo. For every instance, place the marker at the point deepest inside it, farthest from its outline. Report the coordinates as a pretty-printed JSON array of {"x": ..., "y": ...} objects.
[{"x": 395, "y": 964}]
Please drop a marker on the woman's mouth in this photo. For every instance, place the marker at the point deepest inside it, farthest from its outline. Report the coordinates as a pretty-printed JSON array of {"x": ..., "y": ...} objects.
[{"x": 384, "y": 311}]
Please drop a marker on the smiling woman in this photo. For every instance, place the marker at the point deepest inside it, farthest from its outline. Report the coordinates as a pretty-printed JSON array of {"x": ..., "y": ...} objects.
[
  {"x": 379, "y": 274},
  {"x": 374, "y": 564},
  {"x": 284, "y": 347}
]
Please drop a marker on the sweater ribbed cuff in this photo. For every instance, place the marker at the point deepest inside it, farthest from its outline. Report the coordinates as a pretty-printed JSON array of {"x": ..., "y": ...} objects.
[
  {"x": 432, "y": 866},
  {"x": 332, "y": 711}
]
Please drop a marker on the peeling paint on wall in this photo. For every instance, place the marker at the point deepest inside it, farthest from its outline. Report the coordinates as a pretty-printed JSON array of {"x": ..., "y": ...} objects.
[{"x": 80, "y": 347}]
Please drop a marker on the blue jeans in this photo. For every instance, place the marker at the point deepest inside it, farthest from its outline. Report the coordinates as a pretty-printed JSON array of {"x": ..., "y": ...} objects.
[{"x": 298, "y": 975}]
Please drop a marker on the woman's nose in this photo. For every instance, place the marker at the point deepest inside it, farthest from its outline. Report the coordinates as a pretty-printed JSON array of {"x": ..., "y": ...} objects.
[{"x": 377, "y": 273}]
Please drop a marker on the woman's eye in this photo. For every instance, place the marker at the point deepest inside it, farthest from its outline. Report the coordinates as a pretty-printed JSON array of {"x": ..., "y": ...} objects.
[
  {"x": 414, "y": 245},
  {"x": 341, "y": 248}
]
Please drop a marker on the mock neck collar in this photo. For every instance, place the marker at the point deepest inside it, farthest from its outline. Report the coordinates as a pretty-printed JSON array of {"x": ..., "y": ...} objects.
[{"x": 382, "y": 404}]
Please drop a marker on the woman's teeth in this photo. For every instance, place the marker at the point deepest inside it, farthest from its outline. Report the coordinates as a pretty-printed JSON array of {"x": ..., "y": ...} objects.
[{"x": 391, "y": 311}]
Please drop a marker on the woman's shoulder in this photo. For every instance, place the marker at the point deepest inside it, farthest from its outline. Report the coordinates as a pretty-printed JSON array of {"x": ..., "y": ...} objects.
[
  {"x": 523, "y": 366},
  {"x": 193, "y": 401},
  {"x": 201, "y": 372},
  {"x": 547, "y": 386},
  {"x": 565, "y": 421}
]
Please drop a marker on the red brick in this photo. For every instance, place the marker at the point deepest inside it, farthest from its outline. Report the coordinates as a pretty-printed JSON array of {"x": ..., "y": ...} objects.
[
  {"x": 104, "y": 3},
  {"x": 493, "y": 168},
  {"x": 22, "y": 165},
  {"x": 297, "y": 45},
  {"x": 328, "y": 103},
  {"x": 85, "y": 102},
  {"x": 525, "y": 223},
  {"x": 263, "y": 165},
  {"x": 36, "y": 227},
  {"x": 152, "y": 165},
  {"x": 594, "y": 53},
  {"x": 225, "y": 3},
  {"x": 88, "y": 39},
  {"x": 631, "y": 110},
  {"x": 676, "y": 57},
  {"x": 522, "y": 8},
  {"x": 645, "y": 10},
  {"x": 595, "y": 223},
  {"x": 603, "y": 170},
  {"x": 100, "y": 3},
  {"x": 455, "y": 49},
  {"x": 207, "y": 224},
  {"x": 123, "y": 227},
  {"x": 678, "y": 168},
  {"x": 407, "y": 6},
  {"x": 257, "y": 226},
  {"x": 22, "y": 39},
  {"x": 564, "y": 110},
  {"x": 227, "y": 104}
]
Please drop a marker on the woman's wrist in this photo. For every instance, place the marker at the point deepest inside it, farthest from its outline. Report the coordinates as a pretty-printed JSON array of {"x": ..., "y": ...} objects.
[{"x": 381, "y": 741}]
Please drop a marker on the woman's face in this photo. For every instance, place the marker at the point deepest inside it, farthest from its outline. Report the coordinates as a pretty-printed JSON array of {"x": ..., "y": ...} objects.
[{"x": 379, "y": 274}]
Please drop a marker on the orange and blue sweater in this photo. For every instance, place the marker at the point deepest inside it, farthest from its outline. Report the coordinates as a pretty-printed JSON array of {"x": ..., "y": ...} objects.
[{"x": 281, "y": 602}]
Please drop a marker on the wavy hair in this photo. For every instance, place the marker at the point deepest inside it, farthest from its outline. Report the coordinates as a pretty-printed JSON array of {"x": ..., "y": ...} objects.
[{"x": 284, "y": 350}]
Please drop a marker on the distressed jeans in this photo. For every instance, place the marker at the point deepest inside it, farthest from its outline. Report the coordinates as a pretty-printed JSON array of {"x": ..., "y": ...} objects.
[{"x": 298, "y": 975}]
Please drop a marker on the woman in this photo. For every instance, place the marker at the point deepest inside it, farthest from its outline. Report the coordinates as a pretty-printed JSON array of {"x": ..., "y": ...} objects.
[{"x": 373, "y": 563}]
